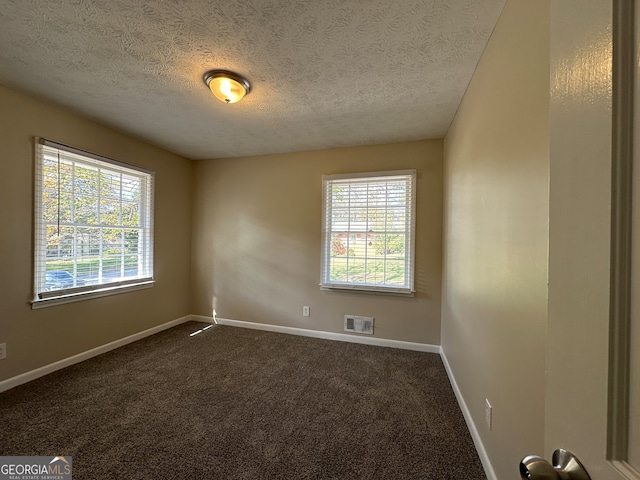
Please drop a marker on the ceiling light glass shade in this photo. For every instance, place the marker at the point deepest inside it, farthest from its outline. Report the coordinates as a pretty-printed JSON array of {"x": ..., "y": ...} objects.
[{"x": 228, "y": 87}]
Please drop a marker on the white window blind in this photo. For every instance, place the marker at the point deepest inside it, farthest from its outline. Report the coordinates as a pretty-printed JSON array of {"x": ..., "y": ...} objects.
[
  {"x": 93, "y": 223},
  {"x": 368, "y": 233}
]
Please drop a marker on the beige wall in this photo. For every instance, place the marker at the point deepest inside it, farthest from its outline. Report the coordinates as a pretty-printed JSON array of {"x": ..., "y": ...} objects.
[
  {"x": 494, "y": 309},
  {"x": 256, "y": 241},
  {"x": 38, "y": 337}
]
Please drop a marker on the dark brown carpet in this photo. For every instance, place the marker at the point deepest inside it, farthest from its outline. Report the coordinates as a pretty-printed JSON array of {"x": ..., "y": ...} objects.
[{"x": 232, "y": 403}]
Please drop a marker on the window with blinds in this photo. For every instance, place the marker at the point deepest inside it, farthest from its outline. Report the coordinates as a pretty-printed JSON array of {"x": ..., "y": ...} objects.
[
  {"x": 368, "y": 232},
  {"x": 93, "y": 225}
]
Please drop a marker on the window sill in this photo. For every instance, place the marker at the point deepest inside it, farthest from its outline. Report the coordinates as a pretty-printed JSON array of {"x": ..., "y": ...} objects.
[
  {"x": 368, "y": 291},
  {"x": 78, "y": 297}
]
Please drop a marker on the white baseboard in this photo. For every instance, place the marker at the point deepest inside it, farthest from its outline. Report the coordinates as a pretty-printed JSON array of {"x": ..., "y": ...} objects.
[
  {"x": 340, "y": 337},
  {"x": 475, "y": 435},
  {"x": 52, "y": 367}
]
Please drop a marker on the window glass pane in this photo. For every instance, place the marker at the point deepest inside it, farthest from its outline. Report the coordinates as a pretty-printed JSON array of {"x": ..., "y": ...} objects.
[
  {"x": 93, "y": 223},
  {"x": 50, "y": 194},
  {"x": 390, "y": 245},
  {"x": 131, "y": 241},
  {"x": 112, "y": 251},
  {"x": 85, "y": 180},
  {"x": 338, "y": 269},
  {"x": 110, "y": 185},
  {"x": 88, "y": 253},
  {"x": 112, "y": 239},
  {"x": 358, "y": 195},
  {"x": 87, "y": 242},
  {"x": 130, "y": 265},
  {"x": 357, "y": 218},
  {"x": 111, "y": 266},
  {"x": 85, "y": 209},
  {"x": 66, "y": 197},
  {"x": 340, "y": 219},
  {"x": 395, "y": 272},
  {"x": 131, "y": 187},
  {"x": 59, "y": 249},
  {"x": 130, "y": 214},
  {"x": 338, "y": 245},
  {"x": 109, "y": 211},
  {"x": 396, "y": 219},
  {"x": 356, "y": 270},
  {"x": 375, "y": 271},
  {"x": 369, "y": 226},
  {"x": 376, "y": 219}
]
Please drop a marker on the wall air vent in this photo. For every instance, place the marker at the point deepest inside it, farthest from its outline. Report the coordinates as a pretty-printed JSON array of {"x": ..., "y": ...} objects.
[{"x": 356, "y": 324}]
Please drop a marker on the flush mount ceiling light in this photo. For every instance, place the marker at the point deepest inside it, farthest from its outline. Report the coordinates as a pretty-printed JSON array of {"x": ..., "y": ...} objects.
[{"x": 228, "y": 87}]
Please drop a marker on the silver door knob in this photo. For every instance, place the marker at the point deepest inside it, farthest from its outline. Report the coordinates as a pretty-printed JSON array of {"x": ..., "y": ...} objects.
[{"x": 565, "y": 467}]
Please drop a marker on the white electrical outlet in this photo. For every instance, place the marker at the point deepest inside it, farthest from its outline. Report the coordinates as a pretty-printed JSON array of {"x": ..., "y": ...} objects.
[
  {"x": 3, "y": 351},
  {"x": 488, "y": 413},
  {"x": 305, "y": 311}
]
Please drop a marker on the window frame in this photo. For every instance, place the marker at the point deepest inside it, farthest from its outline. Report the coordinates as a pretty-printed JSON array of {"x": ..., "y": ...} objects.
[
  {"x": 407, "y": 289},
  {"x": 44, "y": 298}
]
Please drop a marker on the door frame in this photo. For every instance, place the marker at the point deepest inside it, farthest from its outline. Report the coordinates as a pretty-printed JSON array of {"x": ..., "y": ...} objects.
[{"x": 624, "y": 52}]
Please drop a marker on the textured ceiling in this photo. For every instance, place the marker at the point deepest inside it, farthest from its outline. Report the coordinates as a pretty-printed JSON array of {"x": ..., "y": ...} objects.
[{"x": 324, "y": 73}]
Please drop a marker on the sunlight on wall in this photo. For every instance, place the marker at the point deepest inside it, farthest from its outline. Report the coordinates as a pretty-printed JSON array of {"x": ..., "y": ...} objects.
[{"x": 587, "y": 73}]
